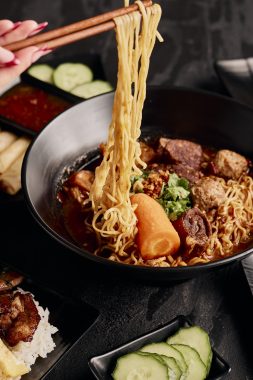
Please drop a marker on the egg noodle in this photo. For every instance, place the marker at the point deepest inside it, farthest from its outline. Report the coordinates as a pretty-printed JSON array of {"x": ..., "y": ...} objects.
[
  {"x": 232, "y": 223},
  {"x": 114, "y": 219}
]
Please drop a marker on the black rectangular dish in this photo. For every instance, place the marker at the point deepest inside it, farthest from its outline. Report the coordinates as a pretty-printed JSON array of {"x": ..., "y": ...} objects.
[
  {"x": 29, "y": 109},
  {"x": 103, "y": 365},
  {"x": 91, "y": 60},
  {"x": 72, "y": 319}
]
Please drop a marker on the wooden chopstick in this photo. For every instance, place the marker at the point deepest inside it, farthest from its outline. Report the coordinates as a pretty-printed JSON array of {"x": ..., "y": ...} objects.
[{"x": 77, "y": 31}]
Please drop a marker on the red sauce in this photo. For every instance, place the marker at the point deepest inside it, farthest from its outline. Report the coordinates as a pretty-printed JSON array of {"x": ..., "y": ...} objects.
[{"x": 31, "y": 107}]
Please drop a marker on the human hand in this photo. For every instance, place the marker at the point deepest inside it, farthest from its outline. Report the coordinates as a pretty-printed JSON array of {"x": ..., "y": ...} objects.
[{"x": 13, "y": 64}]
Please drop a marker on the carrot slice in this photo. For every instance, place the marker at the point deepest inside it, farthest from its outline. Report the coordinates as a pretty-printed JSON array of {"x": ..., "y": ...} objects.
[{"x": 156, "y": 235}]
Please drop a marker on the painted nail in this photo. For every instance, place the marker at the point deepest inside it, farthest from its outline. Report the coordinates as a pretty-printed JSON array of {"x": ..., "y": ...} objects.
[
  {"x": 45, "y": 49},
  {"x": 39, "y": 28},
  {"x": 39, "y": 53},
  {"x": 14, "y": 62},
  {"x": 15, "y": 26}
]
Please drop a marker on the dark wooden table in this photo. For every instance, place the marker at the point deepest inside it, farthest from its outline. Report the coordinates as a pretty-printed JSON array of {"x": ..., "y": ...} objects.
[{"x": 196, "y": 32}]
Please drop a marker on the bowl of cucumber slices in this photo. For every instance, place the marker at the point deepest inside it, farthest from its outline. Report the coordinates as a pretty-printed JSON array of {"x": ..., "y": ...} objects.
[{"x": 175, "y": 351}]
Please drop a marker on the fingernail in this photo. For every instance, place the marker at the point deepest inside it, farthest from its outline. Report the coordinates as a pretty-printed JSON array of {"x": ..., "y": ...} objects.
[
  {"x": 14, "y": 62},
  {"x": 45, "y": 49},
  {"x": 39, "y": 53},
  {"x": 39, "y": 28},
  {"x": 15, "y": 26}
]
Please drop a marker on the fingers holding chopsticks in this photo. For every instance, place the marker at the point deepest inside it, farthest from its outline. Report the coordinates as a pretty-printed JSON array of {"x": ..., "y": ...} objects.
[
  {"x": 12, "y": 32},
  {"x": 13, "y": 64}
]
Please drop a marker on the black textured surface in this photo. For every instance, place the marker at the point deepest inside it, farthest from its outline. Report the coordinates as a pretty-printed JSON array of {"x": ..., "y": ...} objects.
[{"x": 196, "y": 32}]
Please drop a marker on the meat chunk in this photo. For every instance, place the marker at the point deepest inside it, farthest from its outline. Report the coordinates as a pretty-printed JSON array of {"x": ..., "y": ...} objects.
[
  {"x": 194, "y": 231},
  {"x": 230, "y": 164},
  {"x": 5, "y": 303},
  {"x": 148, "y": 154},
  {"x": 19, "y": 318},
  {"x": 182, "y": 152},
  {"x": 185, "y": 171},
  {"x": 82, "y": 179},
  {"x": 9, "y": 280},
  {"x": 77, "y": 187},
  {"x": 208, "y": 193},
  {"x": 25, "y": 324},
  {"x": 10, "y": 307}
]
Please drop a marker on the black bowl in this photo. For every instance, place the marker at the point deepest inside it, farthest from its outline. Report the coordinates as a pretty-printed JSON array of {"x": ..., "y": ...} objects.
[{"x": 209, "y": 119}]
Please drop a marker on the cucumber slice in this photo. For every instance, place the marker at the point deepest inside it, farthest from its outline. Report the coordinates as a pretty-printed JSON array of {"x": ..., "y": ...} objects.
[
  {"x": 173, "y": 365},
  {"x": 69, "y": 75},
  {"x": 88, "y": 90},
  {"x": 197, "y": 338},
  {"x": 196, "y": 368},
  {"x": 42, "y": 72},
  {"x": 173, "y": 369},
  {"x": 167, "y": 350},
  {"x": 135, "y": 366}
]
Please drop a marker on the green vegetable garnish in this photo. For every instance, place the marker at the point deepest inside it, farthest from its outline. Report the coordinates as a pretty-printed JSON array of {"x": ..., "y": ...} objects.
[
  {"x": 175, "y": 196},
  {"x": 136, "y": 178}
]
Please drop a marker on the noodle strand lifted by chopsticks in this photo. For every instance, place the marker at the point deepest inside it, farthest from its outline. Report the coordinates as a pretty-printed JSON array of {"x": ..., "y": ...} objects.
[{"x": 114, "y": 219}]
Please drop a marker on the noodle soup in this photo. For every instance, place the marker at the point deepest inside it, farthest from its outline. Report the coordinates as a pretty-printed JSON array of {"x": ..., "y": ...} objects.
[{"x": 205, "y": 194}]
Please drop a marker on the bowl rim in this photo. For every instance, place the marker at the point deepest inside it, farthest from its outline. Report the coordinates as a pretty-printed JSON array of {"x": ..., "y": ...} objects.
[{"x": 98, "y": 259}]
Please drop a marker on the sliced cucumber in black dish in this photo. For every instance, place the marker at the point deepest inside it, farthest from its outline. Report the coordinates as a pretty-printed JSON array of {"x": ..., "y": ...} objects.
[
  {"x": 196, "y": 338},
  {"x": 42, "y": 72},
  {"x": 187, "y": 355},
  {"x": 196, "y": 368},
  {"x": 142, "y": 367},
  {"x": 75, "y": 78},
  {"x": 173, "y": 365},
  {"x": 167, "y": 350},
  {"x": 174, "y": 371},
  {"x": 88, "y": 90},
  {"x": 67, "y": 76}
]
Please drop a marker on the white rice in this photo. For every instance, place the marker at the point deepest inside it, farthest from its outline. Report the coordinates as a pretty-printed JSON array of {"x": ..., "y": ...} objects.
[{"x": 41, "y": 344}]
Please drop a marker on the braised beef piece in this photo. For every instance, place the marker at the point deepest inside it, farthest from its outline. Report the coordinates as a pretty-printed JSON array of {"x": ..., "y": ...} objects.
[
  {"x": 82, "y": 179},
  {"x": 5, "y": 303},
  {"x": 181, "y": 152},
  {"x": 9, "y": 280},
  {"x": 77, "y": 187},
  {"x": 19, "y": 318},
  {"x": 208, "y": 193},
  {"x": 185, "y": 171},
  {"x": 148, "y": 154},
  {"x": 194, "y": 231},
  {"x": 10, "y": 306},
  {"x": 229, "y": 164}
]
